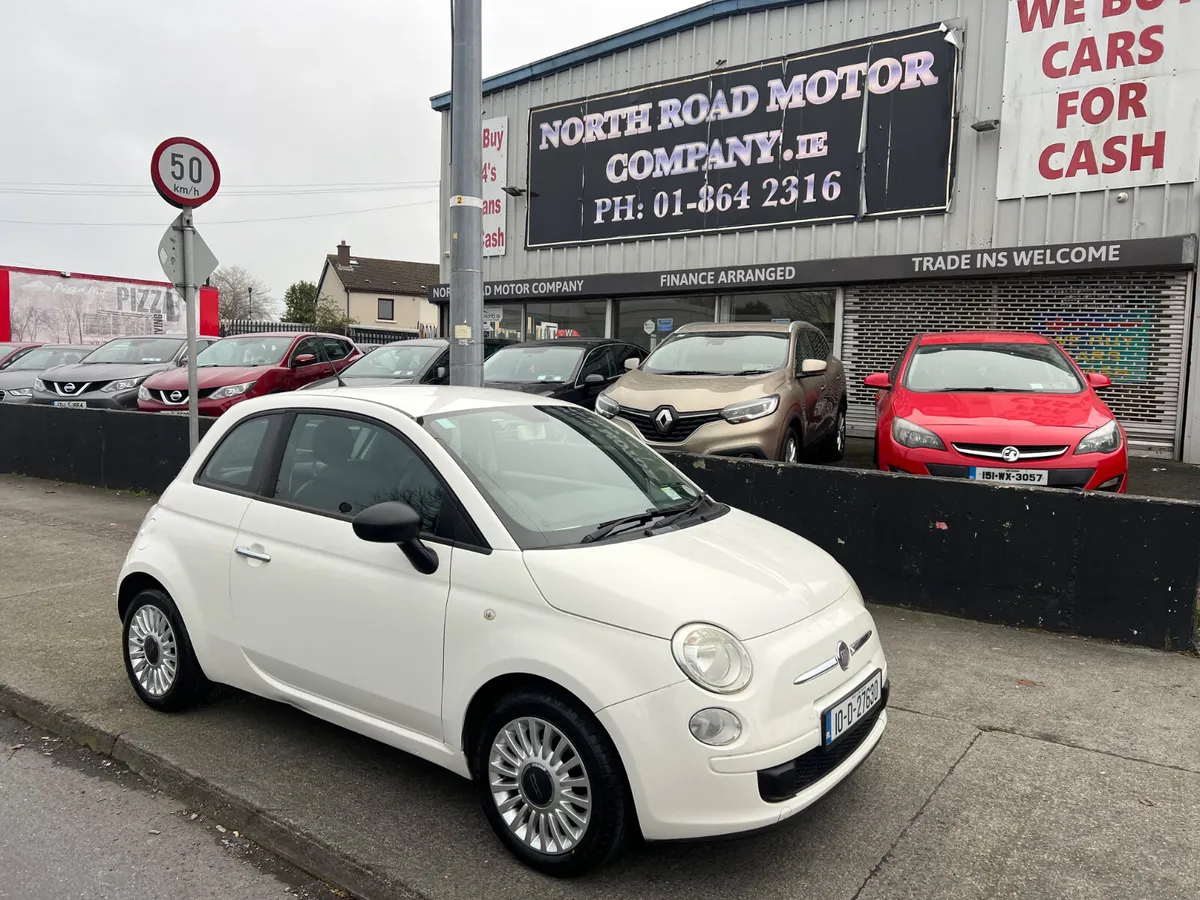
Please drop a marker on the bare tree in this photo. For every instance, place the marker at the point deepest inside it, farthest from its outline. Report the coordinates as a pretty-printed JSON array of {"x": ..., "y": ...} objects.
[
  {"x": 71, "y": 308},
  {"x": 242, "y": 295},
  {"x": 27, "y": 318}
]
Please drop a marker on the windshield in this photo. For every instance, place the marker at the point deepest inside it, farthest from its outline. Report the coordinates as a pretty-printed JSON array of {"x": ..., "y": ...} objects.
[
  {"x": 7, "y": 348},
  {"x": 528, "y": 364},
  {"x": 245, "y": 351},
  {"x": 1001, "y": 367},
  {"x": 554, "y": 473},
  {"x": 393, "y": 362},
  {"x": 135, "y": 351},
  {"x": 45, "y": 358},
  {"x": 719, "y": 354}
]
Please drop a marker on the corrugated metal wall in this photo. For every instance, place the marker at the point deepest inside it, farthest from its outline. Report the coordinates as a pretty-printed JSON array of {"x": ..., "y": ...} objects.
[
  {"x": 976, "y": 219},
  {"x": 1140, "y": 317}
]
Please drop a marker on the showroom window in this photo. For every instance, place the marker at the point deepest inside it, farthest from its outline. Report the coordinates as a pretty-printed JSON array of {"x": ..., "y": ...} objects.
[
  {"x": 509, "y": 326},
  {"x": 546, "y": 321},
  {"x": 387, "y": 310},
  {"x": 667, "y": 314},
  {"x": 815, "y": 307}
]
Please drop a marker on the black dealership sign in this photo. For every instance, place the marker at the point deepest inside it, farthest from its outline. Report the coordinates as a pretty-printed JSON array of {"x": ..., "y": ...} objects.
[{"x": 861, "y": 130}]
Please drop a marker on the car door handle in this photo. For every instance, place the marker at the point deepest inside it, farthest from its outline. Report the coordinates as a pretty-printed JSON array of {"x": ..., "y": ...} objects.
[{"x": 252, "y": 554}]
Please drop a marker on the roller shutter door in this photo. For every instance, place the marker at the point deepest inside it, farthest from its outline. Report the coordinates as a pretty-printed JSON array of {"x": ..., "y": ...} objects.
[{"x": 1131, "y": 326}]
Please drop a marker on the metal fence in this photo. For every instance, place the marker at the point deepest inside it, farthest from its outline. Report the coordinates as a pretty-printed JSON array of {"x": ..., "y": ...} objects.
[{"x": 231, "y": 327}]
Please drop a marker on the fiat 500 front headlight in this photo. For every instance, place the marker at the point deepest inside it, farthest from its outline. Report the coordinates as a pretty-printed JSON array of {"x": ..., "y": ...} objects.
[{"x": 712, "y": 658}]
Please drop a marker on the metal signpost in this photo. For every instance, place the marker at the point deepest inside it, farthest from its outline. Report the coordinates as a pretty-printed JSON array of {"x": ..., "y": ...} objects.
[{"x": 186, "y": 175}]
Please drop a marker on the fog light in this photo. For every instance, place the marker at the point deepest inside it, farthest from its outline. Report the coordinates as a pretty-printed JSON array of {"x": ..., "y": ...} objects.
[
  {"x": 715, "y": 727},
  {"x": 1113, "y": 484}
]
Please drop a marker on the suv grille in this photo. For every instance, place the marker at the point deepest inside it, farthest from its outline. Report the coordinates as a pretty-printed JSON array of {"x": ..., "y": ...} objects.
[
  {"x": 72, "y": 388},
  {"x": 178, "y": 398},
  {"x": 996, "y": 451},
  {"x": 685, "y": 424}
]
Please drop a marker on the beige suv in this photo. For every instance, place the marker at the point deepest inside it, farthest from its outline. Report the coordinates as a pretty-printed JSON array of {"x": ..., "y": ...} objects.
[{"x": 756, "y": 389}]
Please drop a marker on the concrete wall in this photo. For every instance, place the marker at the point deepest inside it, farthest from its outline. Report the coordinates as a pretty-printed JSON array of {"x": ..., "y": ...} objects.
[{"x": 976, "y": 219}]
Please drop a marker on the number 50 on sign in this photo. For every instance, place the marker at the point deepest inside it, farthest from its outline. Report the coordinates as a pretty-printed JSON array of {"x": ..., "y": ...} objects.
[{"x": 184, "y": 172}]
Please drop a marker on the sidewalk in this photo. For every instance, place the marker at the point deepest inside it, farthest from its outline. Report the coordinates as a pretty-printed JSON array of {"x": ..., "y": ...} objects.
[{"x": 1016, "y": 765}]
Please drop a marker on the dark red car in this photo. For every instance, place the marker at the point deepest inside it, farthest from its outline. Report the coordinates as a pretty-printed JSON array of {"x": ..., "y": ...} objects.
[
  {"x": 235, "y": 368},
  {"x": 11, "y": 351},
  {"x": 998, "y": 407}
]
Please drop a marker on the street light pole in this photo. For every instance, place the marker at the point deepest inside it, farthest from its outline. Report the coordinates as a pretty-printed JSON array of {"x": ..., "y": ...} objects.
[{"x": 466, "y": 190}]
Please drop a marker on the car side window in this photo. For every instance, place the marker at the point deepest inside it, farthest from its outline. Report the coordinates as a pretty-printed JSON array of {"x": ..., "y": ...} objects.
[
  {"x": 308, "y": 345},
  {"x": 599, "y": 362},
  {"x": 339, "y": 466},
  {"x": 894, "y": 376},
  {"x": 820, "y": 345},
  {"x": 335, "y": 348},
  {"x": 239, "y": 457},
  {"x": 804, "y": 348},
  {"x": 443, "y": 362}
]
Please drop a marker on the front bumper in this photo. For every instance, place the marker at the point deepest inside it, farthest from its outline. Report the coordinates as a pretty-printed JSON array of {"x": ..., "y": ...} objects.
[
  {"x": 758, "y": 439},
  {"x": 92, "y": 399},
  {"x": 204, "y": 406},
  {"x": 1107, "y": 472},
  {"x": 684, "y": 789}
]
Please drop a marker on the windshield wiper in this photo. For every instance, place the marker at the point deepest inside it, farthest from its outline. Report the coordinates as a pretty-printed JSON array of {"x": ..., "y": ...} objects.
[
  {"x": 604, "y": 529},
  {"x": 968, "y": 390},
  {"x": 680, "y": 513},
  {"x": 693, "y": 372}
]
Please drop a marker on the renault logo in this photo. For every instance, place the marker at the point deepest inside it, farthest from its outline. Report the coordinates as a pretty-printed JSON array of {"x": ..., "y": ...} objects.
[
  {"x": 843, "y": 655},
  {"x": 176, "y": 396},
  {"x": 1010, "y": 454},
  {"x": 664, "y": 420}
]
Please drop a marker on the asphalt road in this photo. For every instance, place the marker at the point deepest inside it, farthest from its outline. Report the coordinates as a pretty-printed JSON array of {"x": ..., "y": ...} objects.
[
  {"x": 76, "y": 824},
  {"x": 1148, "y": 477}
]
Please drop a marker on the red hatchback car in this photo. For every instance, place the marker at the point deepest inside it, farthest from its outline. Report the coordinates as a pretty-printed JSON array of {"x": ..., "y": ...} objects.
[
  {"x": 235, "y": 368},
  {"x": 998, "y": 407}
]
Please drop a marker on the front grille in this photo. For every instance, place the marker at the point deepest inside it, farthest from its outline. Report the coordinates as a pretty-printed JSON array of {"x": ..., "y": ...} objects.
[
  {"x": 685, "y": 424},
  {"x": 786, "y": 780},
  {"x": 72, "y": 388},
  {"x": 167, "y": 398},
  {"x": 1071, "y": 479},
  {"x": 996, "y": 451}
]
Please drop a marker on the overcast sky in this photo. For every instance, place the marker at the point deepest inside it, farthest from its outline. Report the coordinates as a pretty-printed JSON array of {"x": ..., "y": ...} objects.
[{"x": 283, "y": 92}]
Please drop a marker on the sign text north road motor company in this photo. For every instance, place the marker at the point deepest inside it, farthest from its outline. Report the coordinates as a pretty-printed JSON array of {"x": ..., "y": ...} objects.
[{"x": 858, "y": 130}]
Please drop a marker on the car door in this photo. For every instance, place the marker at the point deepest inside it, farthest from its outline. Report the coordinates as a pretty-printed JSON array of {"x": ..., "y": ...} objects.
[
  {"x": 811, "y": 387},
  {"x": 328, "y": 619},
  {"x": 302, "y": 375},
  {"x": 600, "y": 361}
]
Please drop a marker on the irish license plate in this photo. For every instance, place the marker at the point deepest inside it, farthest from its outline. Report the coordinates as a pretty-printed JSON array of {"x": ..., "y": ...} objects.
[
  {"x": 1011, "y": 476},
  {"x": 174, "y": 412},
  {"x": 850, "y": 710},
  {"x": 70, "y": 404}
]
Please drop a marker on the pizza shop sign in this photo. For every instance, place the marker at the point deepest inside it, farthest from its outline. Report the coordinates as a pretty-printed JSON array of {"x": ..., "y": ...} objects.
[{"x": 1099, "y": 94}]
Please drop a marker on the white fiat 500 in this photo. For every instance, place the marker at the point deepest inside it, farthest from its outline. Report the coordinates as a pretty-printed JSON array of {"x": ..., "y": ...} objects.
[{"x": 515, "y": 589}]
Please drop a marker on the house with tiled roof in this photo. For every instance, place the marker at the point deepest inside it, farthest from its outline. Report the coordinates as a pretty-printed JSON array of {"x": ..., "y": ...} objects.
[{"x": 380, "y": 293}]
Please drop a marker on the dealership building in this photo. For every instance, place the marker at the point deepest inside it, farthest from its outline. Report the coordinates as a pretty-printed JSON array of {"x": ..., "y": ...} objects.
[{"x": 879, "y": 169}]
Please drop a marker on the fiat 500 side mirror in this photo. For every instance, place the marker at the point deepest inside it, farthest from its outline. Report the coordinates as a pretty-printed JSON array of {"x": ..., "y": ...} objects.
[{"x": 393, "y": 522}]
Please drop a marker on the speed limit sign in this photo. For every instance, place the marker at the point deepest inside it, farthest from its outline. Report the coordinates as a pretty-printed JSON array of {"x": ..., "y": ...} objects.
[{"x": 184, "y": 173}]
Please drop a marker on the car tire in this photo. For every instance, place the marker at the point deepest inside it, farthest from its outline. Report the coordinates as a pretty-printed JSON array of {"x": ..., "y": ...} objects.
[
  {"x": 833, "y": 448},
  {"x": 792, "y": 438},
  {"x": 529, "y": 804},
  {"x": 159, "y": 659}
]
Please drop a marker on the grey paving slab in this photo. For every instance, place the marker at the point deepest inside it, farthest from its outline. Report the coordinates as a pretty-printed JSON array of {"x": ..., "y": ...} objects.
[{"x": 1025, "y": 819}]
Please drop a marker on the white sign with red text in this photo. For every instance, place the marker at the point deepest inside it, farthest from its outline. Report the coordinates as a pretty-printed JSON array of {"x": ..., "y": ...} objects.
[
  {"x": 1099, "y": 94},
  {"x": 495, "y": 177}
]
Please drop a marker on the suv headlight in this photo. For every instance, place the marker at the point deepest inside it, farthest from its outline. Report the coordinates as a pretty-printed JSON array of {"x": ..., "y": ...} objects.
[
  {"x": 1104, "y": 439},
  {"x": 19, "y": 392},
  {"x": 712, "y": 658},
  {"x": 143, "y": 393},
  {"x": 754, "y": 409},
  {"x": 232, "y": 390},
  {"x": 909, "y": 434},
  {"x": 606, "y": 406},
  {"x": 38, "y": 384},
  {"x": 125, "y": 384}
]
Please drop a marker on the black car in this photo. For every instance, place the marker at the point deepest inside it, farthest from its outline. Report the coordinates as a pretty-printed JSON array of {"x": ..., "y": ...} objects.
[
  {"x": 109, "y": 376},
  {"x": 417, "y": 361},
  {"x": 572, "y": 369}
]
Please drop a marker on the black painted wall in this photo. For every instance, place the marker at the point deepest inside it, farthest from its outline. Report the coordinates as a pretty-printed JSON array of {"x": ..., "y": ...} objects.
[
  {"x": 1098, "y": 565},
  {"x": 127, "y": 451},
  {"x": 1123, "y": 568}
]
